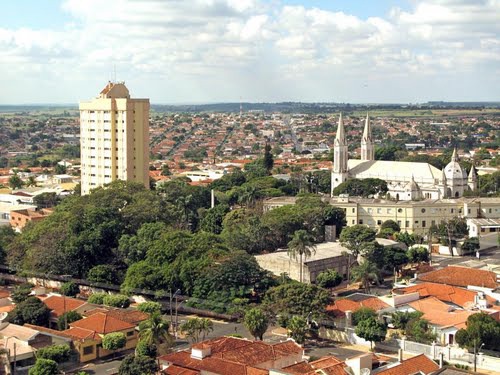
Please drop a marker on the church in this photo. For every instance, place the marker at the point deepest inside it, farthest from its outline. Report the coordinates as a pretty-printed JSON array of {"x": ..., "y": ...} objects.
[{"x": 405, "y": 180}]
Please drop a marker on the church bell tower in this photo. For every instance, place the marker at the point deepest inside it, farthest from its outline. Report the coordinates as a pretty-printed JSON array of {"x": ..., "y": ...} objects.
[{"x": 340, "y": 156}]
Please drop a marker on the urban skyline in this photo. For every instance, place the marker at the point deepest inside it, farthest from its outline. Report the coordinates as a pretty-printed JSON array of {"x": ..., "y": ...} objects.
[{"x": 259, "y": 51}]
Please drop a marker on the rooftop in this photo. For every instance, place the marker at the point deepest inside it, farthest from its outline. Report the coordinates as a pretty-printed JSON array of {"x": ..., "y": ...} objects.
[
  {"x": 462, "y": 276},
  {"x": 415, "y": 365}
]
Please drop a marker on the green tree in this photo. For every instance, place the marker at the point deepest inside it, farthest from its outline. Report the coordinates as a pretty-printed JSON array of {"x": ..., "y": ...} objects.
[
  {"x": 365, "y": 273},
  {"x": 268, "y": 158},
  {"x": 103, "y": 273},
  {"x": 65, "y": 319},
  {"x": 149, "y": 307},
  {"x": 114, "y": 341},
  {"x": 145, "y": 349},
  {"x": 481, "y": 328},
  {"x": 363, "y": 313},
  {"x": 212, "y": 221},
  {"x": 356, "y": 237},
  {"x": 195, "y": 327},
  {"x": 56, "y": 353},
  {"x": 418, "y": 254},
  {"x": 257, "y": 322},
  {"x": 295, "y": 298},
  {"x": 362, "y": 188},
  {"x": 138, "y": 365},
  {"x": 450, "y": 230},
  {"x": 15, "y": 182},
  {"x": 390, "y": 224},
  {"x": 32, "y": 311},
  {"x": 70, "y": 289},
  {"x": 400, "y": 319},
  {"x": 44, "y": 367},
  {"x": 371, "y": 330},
  {"x": 303, "y": 246},
  {"x": 21, "y": 293},
  {"x": 328, "y": 279},
  {"x": 407, "y": 238},
  {"x": 420, "y": 331},
  {"x": 297, "y": 325},
  {"x": 46, "y": 200},
  {"x": 155, "y": 331},
  {"x": 470, "y": 245}
]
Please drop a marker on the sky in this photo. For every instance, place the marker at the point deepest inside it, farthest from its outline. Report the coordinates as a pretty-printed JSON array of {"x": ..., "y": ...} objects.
[{"x": 206, "y": 51}]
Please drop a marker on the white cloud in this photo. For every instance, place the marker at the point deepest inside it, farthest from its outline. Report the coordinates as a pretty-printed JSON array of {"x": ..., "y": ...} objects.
[{"x": 178, "y": 51}]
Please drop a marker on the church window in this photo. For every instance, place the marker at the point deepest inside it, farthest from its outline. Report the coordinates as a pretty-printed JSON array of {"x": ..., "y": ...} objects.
[
  {"x": 423, "y": 223},
  {"x": 423, "y": 210}
]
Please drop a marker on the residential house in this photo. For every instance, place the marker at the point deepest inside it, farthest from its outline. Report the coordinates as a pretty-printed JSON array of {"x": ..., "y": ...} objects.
[
  {"x": 20, "y": 218},
  {"x": 419, "y": 364},
  {"x": 232, "y": 356}
]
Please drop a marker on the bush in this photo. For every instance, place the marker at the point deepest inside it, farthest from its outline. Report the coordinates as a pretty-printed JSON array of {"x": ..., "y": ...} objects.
[
  {"x": 114, "y": 341},
  {"x": 116, "y": 300},
  {"x": 56, "y": 353},
  {"x": 328, "y": 279},
  {"x": 149, "y": 307},
  {"x": 65, "y": 319},
  {"x": 44, "y": 367},
  {"x": 70, "y": 289},
  {"x": 97, "y": 298}
]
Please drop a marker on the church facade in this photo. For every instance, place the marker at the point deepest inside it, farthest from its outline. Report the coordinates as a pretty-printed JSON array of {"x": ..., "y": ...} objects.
[{"x": 405, "y": 180}]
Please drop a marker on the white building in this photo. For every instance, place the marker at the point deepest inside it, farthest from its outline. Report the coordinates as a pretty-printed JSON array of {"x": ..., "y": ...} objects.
[
  {"x": 405, "y": 180},
  {"x": 114, "y": 142}
]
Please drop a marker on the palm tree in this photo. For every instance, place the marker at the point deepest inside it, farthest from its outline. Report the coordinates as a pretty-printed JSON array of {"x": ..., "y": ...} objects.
[
  {"x": 302, "y": 245},
  {"x": 248, "y": 196},
  {"x": 184, "y": 205},
  {"x": 31, "y": 181},
  {"x": 365, "y": 273},
  {"x": 154, "y": 331}
]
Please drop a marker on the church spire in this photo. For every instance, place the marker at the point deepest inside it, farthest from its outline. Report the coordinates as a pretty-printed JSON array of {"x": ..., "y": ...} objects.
[
  {"x": 367, "y": 149},
  {"x": 454, "y": 156},
  {"x": 340, "y": 156},
  {"x": 340, "y": 136},
  {"x": 472, "y": 179}
]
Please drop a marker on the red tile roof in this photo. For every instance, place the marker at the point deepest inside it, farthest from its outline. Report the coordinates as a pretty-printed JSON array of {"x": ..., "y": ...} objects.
[
  {"x": 340, "y": 306},
  {"x": 60, "y": 304},
  {"x": 130, "y": 316},
  {"x": 414, "y": 365},
  {"x": 446, "y": 293},
  {"x": 102, "y": 323},
  {"x": 462, "y": 276},
  {"x": 176, "y": 370}
]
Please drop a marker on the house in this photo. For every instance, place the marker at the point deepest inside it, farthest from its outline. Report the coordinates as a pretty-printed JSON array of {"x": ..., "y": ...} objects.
[
  {"x": 419, "y": 364},
  {"x": 22, "y": 342},
  {"x": 474, "y": 279},
  {"x": 20, "y": 218},
  {"x": 59, "y": 305},
  {"x": 343, "y": 308},
  {"x": 87, "y": 334},
  {"x": 232, "y": 356}
]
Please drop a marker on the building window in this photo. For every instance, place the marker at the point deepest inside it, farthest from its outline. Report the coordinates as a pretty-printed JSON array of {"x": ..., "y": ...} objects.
[
  {"x": 353, "y": 222},
  {"x": 379, "y": 210},
  {"x": 416, "y": 221},
  {"x": 361, "y": 221},
  {"x": 130, "y": 333},
  {"x": 468, "y": 211},
  {"x": 423, "y": 223},
  {"x": 407, "y": 223},
  {"x": 370, "y": 210},
  {"x": 88, "y": 350},
  {"x": 379, "y": 222},
  {"x": 400, "y": 210},
  {"x": 353, "y": 210},
  {"x": 452, "y": 210},
  {"x": 389, "y": 210},
  {"x": 399, "y": 223},
  {"x": 423, "y": 210}
]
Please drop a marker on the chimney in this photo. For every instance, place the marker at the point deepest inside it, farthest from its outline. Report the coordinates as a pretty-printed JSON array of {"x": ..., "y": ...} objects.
[{"x": 400, "y": 355}]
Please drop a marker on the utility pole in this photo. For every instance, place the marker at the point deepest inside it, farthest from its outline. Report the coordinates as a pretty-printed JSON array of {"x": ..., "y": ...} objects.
[{"x": 475, "y": 353}]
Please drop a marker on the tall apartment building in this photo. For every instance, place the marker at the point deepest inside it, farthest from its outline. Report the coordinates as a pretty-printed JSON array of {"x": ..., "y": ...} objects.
[{"x": 114, "y": 138}]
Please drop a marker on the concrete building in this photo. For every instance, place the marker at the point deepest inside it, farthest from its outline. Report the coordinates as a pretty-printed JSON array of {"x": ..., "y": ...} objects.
[
  {"x": 114, "y": 141},
  {"x": 328, "y": 255},
  {"x": 412, "y": 216}
]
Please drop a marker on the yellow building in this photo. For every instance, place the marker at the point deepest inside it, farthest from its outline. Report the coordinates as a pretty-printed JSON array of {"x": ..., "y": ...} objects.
[
  {"x": 114, "y": 138},
  {"x": 412, "y": 216}
]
